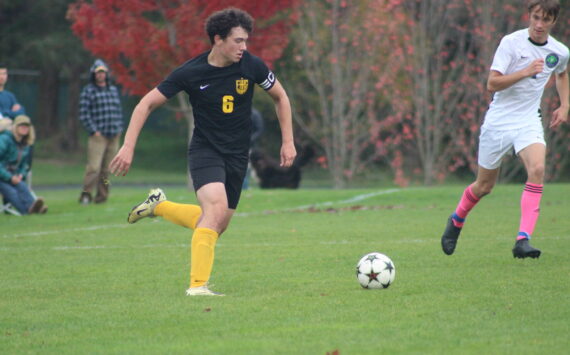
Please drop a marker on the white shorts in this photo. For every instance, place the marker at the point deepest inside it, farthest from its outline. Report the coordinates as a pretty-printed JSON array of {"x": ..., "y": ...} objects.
[{"x": 494, "y": 145}]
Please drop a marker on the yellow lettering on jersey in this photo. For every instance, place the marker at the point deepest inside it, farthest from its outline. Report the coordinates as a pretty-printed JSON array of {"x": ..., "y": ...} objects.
[
  {"x": 241, "y": 86},
  {"x": 228, "y": 104}
]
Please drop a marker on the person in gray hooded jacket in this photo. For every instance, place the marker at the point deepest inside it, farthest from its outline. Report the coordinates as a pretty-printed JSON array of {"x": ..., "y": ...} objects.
[{"x": 101, "y": 114}]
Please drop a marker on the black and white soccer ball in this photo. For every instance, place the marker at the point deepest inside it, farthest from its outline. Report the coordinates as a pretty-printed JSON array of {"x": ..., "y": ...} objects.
[{"x": 375, "y": 271}]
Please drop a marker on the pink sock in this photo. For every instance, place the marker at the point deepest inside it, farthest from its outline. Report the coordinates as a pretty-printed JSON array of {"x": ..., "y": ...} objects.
[
  {"x": 467, "y": 202},
  {"x": 530, "y": 209}
]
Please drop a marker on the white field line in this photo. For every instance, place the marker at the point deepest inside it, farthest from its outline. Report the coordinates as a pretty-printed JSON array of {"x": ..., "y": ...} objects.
[
  {"x": 434, "y": 241},
  {"x": 82, "y": 229},
  {"x": 244, "y": 214},
  {"x": 356, "y": 198}
]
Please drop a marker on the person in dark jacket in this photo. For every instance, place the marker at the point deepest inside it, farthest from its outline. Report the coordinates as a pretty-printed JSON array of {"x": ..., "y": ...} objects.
[{"x": 9, "y": 105}]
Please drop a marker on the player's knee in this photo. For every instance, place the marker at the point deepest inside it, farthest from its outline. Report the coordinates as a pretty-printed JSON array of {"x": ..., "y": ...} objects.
[
  {"x": 214, "y": 216},
  {"x": 536, "y": 172},
  {"x": 212, "y": 222},
  {"x": 221, "y": 208}
]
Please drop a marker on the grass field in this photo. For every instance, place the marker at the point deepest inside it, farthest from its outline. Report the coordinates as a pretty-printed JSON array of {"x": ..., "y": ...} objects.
[{"x": 81, "y": 280}]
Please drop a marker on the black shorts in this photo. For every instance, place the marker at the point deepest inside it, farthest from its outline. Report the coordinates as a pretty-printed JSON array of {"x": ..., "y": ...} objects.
[{"x": 208, "y": 165}]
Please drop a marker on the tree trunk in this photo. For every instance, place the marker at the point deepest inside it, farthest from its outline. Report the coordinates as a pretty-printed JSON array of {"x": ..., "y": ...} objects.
[
  {"x": 70, "y": 139},
  {"x": 47, "y": 102},
  {"x": 342, "y": 54},
  {"x": 186, "y": 109}
]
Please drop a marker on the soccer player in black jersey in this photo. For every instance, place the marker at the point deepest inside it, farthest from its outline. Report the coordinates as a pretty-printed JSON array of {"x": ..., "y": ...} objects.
[{"x": 220, "y": 85}]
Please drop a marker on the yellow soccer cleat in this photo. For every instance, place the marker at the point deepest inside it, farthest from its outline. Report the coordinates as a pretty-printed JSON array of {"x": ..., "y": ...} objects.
[{"x": 146, "y": 208}]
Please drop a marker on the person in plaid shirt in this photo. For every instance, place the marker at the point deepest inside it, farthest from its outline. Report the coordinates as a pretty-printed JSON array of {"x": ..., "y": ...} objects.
[{"x": 101, "y": 114}]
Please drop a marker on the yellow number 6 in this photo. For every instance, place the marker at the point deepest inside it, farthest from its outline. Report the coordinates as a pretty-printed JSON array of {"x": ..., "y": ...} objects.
[{"x": 228, "y": 104}]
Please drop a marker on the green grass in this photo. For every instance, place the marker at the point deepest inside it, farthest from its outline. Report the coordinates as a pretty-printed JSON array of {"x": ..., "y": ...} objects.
[
  {"x": 81, "y": 280},
  {"x": 167, "y": 164},
  {"x": 160, "y": 156}
]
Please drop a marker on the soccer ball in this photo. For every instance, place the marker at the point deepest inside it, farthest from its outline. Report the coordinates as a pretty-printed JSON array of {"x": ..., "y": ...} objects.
[{"x": 375, "y": 271}]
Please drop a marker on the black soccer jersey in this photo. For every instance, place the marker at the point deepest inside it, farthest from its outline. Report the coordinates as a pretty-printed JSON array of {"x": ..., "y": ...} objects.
[{"x": 221, "y": 98}]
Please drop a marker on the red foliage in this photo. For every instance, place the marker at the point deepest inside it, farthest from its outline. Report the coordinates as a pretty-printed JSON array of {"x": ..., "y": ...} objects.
[
  {"x": 143, "y": 40},
  {"x": 448, "y": 92},
  {"x": 348, "y": 56}
]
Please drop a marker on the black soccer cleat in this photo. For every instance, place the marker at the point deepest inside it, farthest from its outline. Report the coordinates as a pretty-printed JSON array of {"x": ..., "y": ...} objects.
[
  {"x": 449, "y": 237},
  {"x": 523, "y": 249}
]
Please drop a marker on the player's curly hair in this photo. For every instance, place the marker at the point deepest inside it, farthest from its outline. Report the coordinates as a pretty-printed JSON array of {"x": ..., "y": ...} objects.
[
  {"x": 550, "y": 7},
  {"x": 221, "y": 22}
]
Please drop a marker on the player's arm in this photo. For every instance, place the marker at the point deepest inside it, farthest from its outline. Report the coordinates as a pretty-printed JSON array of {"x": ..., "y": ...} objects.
[
  {"x": 283, "y": 109},
  {"x": 560, "y": 115},
  {"x": 498, "y": 81},
  {"x": 122, "y": 162}
]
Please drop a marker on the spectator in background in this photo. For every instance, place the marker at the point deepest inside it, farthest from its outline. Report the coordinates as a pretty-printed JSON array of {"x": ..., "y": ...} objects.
[
  {"x": 256, "y": 131},
  {"x": 9, "y": 106},
  {"x": 14, "y": 166},
  {"x": 101, "y": 114}
]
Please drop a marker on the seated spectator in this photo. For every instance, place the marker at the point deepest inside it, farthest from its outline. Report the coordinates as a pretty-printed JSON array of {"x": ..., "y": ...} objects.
[
  {"x": 9, "y": 106},
  {"x": 14, "y": 167}
]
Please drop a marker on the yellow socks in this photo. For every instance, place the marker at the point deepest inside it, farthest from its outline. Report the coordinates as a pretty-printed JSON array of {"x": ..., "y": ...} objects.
[
  {"x": 202, "y": 256},
  {"x": 203, "y": 239},
  {"x": 182, "y": 214}
]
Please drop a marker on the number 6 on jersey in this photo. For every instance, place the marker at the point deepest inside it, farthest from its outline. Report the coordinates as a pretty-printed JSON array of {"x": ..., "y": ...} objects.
[{"x": 228, "y": 104}]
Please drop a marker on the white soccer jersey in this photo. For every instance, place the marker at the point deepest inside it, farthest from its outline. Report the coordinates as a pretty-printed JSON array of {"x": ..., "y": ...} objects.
[{"x": 518, "y": 105}]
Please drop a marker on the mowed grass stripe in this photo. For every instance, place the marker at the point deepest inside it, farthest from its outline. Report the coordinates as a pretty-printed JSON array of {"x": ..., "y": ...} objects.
[
  {"x": 289, "y": 278},
  {"x": 356, "y": 198}
]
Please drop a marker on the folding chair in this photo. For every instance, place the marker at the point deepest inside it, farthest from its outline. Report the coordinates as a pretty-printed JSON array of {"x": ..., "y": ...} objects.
[
  {"x": 29, "y": 182},
  {"x": 6, "y": 207}
]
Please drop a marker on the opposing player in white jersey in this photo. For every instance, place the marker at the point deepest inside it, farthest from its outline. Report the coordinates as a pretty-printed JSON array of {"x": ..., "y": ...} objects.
[{"x": 522, "y": 66}]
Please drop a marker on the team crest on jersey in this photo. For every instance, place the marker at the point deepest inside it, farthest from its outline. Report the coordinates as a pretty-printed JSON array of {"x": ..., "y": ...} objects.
[
  {"x": 241, "y": 86},
  {"x": 551, "y": 60}
]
